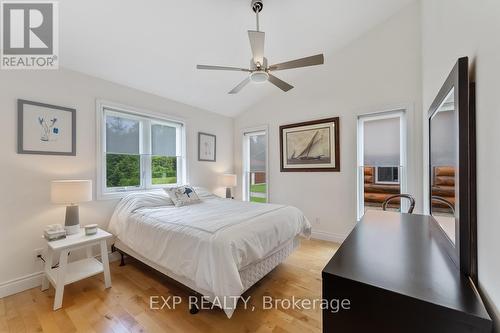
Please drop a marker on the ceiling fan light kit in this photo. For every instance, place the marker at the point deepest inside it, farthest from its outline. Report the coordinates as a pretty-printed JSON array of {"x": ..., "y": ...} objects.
[
  {"x": 259, "y": 71},
  {"x": 259, "y": 76}
]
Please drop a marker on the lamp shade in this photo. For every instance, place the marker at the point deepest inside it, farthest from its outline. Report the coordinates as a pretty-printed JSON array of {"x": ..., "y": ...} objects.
[
  {"x": 70, "y": 191},
  {"x": 228, "y": 180}
]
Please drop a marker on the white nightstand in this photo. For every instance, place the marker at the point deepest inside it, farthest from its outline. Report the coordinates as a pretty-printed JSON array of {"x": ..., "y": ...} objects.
[{"x": 67, "y": 273}]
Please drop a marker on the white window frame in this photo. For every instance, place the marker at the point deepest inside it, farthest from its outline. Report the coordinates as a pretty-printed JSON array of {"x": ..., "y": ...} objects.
[
  {"x": 146, "y": 119},
  {"x": 402, "y": 114},
  {"x": 245, "y": 163}
]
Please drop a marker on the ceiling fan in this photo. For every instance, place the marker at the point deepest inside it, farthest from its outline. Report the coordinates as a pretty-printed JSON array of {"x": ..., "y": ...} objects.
[{"x": 259, "y": 71}]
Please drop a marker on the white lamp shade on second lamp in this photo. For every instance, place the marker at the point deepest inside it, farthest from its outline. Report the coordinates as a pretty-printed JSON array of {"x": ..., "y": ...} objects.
[
  {"x": 71, "y": 191},
  {"x": 228, "y": 180}
]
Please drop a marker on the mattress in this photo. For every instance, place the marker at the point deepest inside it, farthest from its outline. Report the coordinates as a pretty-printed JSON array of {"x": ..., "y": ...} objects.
[{"x": 256, "y": 271}]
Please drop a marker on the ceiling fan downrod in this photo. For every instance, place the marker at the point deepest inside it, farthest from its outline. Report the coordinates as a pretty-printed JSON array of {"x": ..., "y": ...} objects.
[{"x": 257, "y": 6}]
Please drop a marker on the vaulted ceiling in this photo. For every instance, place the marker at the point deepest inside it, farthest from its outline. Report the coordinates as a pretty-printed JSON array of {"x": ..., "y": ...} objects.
[{"x": 154, "y": 45}]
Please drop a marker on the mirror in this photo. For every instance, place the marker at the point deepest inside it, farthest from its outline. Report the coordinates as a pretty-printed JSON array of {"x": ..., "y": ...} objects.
[
  {"x": 443, "y": 164},
  {"x": 452, "y": 169}
]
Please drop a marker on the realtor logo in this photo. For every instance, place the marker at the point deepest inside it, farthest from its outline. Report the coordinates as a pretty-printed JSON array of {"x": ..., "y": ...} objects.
[{"x": 29, "y": 36}]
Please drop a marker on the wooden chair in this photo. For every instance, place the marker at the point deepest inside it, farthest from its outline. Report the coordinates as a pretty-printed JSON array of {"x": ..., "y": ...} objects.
[{"x": 406, "y": 196}]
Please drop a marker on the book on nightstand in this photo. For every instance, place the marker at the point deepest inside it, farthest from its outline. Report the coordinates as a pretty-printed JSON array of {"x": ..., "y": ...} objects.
[{"x": 54, "y": 232}]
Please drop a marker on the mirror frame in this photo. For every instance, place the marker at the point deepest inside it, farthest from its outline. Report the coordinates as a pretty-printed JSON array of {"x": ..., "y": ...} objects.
[{"x": 464, "y": 251}]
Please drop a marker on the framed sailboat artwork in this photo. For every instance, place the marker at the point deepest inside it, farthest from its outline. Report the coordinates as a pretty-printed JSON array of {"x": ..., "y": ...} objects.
[{"x": 311, "y": 146}]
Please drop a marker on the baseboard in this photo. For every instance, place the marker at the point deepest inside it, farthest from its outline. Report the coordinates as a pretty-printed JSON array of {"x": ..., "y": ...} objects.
[
  {"x": 33, "y": 280},
  {"x": 20, "y": 284},
  {"x": 328, "y": 236}
]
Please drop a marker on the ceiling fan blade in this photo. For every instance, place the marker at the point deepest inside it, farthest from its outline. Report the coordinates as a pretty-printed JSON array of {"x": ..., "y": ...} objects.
[
  {"x": 279, "y": 83},
  {"x": 257, "y": 45},
  {"x": 222, "y": 68},
  {"x": 302, "y": 62},
  {"x": 240, "y": 86}
]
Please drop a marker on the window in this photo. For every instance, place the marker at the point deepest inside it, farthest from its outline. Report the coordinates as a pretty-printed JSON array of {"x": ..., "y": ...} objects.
[
  {"x": 387, "y": 175},
  {"x": 255, "y": 180},
  {"x": 137, "y": 151}
]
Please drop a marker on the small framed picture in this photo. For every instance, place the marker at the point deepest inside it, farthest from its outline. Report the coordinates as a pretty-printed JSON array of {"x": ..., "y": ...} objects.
[
  {"x": 45, "y": 129},
  {"x": 311, "y": 146},
  {"x": 207, "y": 147}
]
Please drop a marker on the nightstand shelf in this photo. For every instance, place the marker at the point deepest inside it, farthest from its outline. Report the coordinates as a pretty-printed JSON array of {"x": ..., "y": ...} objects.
[
  {"x": 78, "y": 270},
  {"x": 67, "y": 273}
]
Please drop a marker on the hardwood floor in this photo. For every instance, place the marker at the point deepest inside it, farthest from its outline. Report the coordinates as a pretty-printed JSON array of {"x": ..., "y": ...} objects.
[{"x": 88, "y": 307}]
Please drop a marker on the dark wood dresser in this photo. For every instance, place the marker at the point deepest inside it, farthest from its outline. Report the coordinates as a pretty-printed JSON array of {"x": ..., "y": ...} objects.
[{"x": 397, "y": 279}]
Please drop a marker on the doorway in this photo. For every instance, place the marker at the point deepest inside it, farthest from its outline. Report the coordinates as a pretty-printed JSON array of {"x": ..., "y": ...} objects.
[
  {"x": 382, "y": 156},
  {"x": 255, "y": 175}
]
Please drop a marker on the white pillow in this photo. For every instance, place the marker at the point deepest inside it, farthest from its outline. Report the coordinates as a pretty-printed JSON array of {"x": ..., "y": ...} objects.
[
  {"x": 182, "y": 195},
  {"x": 147, "y": 199},
  {"x": 203, "y": 193}
]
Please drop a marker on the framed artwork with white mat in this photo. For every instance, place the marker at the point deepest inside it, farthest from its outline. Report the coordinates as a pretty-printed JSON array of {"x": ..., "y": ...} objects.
[
  {"x": 207, "y": 147},
  {"x": 311, "y": 146},
  {"x": 45, "y": 129}
]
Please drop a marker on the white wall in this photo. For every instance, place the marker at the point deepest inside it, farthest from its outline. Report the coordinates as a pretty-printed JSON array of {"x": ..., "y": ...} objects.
[
  {"x": 452, "y": 29},
  {"x": 25, "y": 206},
  {"x": 378, "y": 71}
]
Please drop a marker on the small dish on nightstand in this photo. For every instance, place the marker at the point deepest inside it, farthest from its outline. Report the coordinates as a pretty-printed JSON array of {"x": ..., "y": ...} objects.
[{"x": 90, "y": 229}]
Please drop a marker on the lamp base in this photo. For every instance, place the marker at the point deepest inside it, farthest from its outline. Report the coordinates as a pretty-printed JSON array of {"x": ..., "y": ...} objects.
[
  {"x": 72, "y": 229},
  {"x": 72, "y": 222}
]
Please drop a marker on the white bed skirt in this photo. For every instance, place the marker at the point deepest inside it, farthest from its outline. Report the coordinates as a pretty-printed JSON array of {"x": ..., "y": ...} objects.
[{"x": 249, "y": 274}]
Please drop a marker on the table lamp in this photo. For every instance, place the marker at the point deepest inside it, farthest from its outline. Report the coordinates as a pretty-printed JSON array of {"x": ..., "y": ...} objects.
[
  {"x": 228, "y": 181},
  {"x": 71, "y": 192}
]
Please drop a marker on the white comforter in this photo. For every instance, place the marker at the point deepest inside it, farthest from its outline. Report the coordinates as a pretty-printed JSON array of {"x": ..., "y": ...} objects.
[{"x": 207, "y": 242}]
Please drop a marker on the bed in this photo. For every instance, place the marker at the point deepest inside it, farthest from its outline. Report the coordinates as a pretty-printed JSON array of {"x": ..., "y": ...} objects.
[{"x": 217, "y": 247}]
